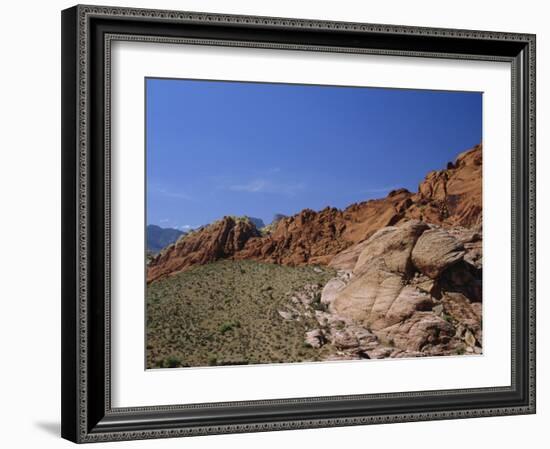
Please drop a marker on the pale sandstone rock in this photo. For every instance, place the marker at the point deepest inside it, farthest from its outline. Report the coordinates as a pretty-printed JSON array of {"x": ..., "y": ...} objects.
[
  {"x": 407, "y": 354},
  {"x": 436, "y": 250},
  {"x": 346, "y": 260},
  {"x": 331, "y": 290},
  {"x": 393, "y": 245},
  {"x": 286, "y": 315},
  {"x": 421, "y": 329},
  {"x": 409, "y": 301},
  {"x": 368, "y": 296},
  {"x": 469, "y": 339},
  {"x": 381, "y": 352},
  {"x": 438, "y": 309},
  {"x": 427, "y": 286},
  {"x": 388, "y": 297},
  {"x": 363, "y": 335},
  {"x": 315, "y": 338},
  {"x": 344, "y": 339},
  {"x": 378, "y": 279}
]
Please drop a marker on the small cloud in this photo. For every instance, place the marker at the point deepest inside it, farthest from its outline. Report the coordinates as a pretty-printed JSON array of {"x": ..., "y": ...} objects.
[
  {"x": 266, "y": 186},
  {"x": 179, "y": 195},
  {"x": 164, "y": 220},
  {"x": 169, "y": 193},
  {"x": 258, "y": 185}
]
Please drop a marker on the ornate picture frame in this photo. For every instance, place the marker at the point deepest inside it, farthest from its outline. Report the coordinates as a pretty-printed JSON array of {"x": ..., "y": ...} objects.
[{"x": 87, "y": 35}]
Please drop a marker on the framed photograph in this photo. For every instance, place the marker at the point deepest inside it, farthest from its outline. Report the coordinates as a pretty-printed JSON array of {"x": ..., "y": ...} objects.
[{"x": 275, "y": 223}]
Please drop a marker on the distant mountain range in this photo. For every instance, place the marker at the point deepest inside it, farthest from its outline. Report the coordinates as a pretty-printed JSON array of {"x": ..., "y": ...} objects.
[
  {"x": 159, "y": 238},
  {"x": 258, "y": 222}
]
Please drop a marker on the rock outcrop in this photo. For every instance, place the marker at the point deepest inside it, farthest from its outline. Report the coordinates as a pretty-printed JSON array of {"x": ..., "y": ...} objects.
[
  {"x": 306, "y": 238},
  {"x": 414, "y": 290},
  {"x": 219, "y": 240},
  {"x": 435, "y": 251},
  {"x": 453, "y": 196},
  {"x": 414, "y": 287}
]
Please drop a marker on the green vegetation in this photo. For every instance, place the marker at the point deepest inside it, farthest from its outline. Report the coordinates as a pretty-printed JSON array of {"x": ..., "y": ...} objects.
[
  {"x": 460, "y": 350},
  {"x": 225, "y": 327},
  {"x": 227, "y": 313}
]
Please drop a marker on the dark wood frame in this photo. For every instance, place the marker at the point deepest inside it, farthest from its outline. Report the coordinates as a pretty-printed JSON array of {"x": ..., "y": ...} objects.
[{"x": 87, "y": 32}]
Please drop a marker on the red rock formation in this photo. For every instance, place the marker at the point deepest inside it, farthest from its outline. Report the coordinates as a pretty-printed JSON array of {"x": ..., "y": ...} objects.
[
  {"x": 306, "y": 238},
  {"x": 219, "y": 240},
  {"x": 455, "y": 192},
  {"x": 448, "y": 197}
]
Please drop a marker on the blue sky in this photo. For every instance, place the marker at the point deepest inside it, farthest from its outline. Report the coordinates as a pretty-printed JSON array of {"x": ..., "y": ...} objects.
[{"x": 228, "y": 148}]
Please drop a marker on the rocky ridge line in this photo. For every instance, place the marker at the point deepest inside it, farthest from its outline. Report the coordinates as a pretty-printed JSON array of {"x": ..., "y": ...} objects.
[{"x": 449, "y": 197}]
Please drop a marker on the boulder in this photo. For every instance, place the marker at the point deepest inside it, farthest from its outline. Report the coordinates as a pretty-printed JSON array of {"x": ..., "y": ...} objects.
[
  {"x": 331, "y": 290},
  {"x": 392, "y": 245},
  {"x": 422, "y": 328},
  {"x": 287, "y": 315},
  {"x": 315, "y": 338},
  {"x": 436, "y": 250},
  {"x": 366, "y": 298},
  {"x": 378, "y": 285},
  {"x": 346, "y": 260},
  {"x": 409, "y": 301},
  {"x": 380, "y": 352},
  {"x": 344, "y": 339}
]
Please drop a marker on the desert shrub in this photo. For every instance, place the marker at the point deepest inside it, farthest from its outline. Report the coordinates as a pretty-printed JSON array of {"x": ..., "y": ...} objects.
[
  {"x": 317, "y": 304},
  {"x": 228, "y": 326},
  {"x": 172, "y": 362},
  {"x": 203, "y": 315},
  {"x": 233, "y": 362}
]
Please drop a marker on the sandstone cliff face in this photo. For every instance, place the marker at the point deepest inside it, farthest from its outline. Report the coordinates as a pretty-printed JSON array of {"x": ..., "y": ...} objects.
[
  {"x": 450, "y": 197},
  {"x": 306, "y": 238},
  {"x": 455, "y": 192}
]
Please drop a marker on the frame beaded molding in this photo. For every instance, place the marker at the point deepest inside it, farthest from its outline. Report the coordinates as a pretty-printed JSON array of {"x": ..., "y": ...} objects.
[
  {"x": 109, "y": 38},
  {"x": 84, "y": 14}
]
